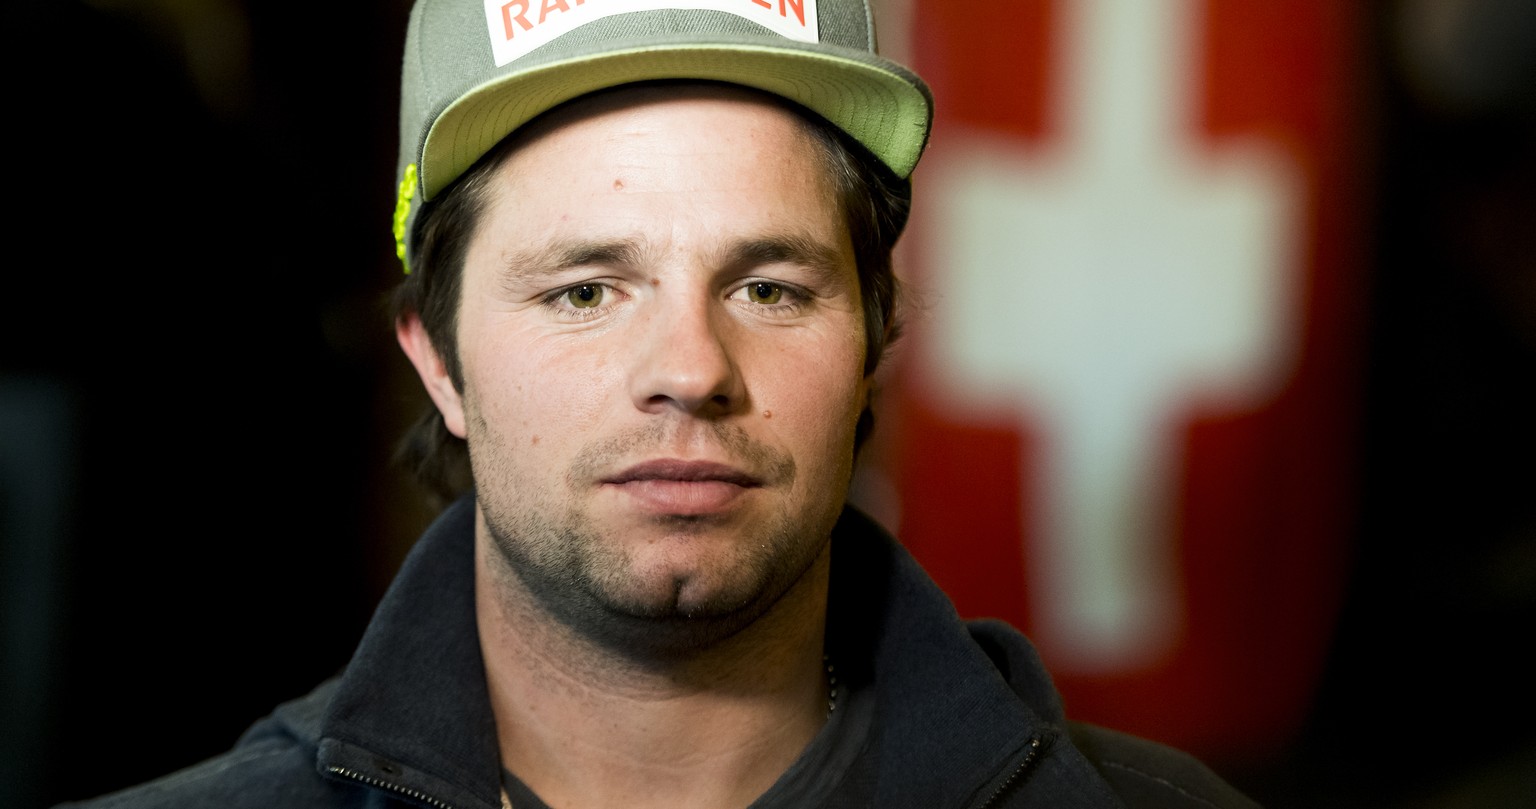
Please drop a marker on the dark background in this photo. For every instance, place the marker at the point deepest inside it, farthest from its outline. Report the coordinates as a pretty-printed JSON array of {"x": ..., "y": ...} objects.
[{"x": 199, "y": 391}]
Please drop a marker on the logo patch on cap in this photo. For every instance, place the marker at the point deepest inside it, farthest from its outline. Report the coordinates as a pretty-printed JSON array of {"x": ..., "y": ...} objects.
[
  {"x": 518, "y": 26},
  {"x": 403, "y": 212}
]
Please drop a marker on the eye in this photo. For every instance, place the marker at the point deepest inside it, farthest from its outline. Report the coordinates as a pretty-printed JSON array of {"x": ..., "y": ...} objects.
[
  {"x": 585, "y": 296},
  {"x": 764, "y": 292}
]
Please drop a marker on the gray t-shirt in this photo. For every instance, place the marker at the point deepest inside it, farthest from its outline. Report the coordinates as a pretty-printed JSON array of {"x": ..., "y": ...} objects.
[{"x": 810, "y": 781}]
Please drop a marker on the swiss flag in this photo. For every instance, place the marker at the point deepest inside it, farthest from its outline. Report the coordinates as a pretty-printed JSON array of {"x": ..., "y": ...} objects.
[{"x": 1123, "y": 413}]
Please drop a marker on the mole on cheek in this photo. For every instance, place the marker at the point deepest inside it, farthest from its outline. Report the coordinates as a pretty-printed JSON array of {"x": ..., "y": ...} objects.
[
  {"x": 618, "y": 185},
  {"x": 767, "y": 414}
]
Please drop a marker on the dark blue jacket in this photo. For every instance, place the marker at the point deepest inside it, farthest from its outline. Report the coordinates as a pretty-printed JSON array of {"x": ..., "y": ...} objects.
[{"x": 965, "y": 714}]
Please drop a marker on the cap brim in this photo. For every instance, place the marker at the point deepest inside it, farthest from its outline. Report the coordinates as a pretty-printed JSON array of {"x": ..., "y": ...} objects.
[{"x": 879, "y": 103}]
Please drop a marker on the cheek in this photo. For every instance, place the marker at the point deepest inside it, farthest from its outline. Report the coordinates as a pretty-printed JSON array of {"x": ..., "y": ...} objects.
[
  {"x": 817, "y": 399},
  {"x": 532, "y": 395}
]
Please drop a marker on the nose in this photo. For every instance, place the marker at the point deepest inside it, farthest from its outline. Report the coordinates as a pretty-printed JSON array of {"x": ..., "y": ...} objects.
[{"x": 683, "y": 361}]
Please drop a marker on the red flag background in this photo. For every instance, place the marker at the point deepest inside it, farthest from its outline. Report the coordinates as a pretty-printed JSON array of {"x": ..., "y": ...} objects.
[{"x": 1152, "y": 474}]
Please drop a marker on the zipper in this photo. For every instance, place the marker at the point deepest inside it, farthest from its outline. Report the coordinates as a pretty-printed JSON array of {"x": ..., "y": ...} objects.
[
  {"x": 395, "y": 788},
  {"x": 1002, "y": 789}
]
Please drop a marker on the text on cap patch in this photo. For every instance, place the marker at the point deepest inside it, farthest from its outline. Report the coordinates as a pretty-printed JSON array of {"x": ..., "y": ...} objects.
[{"x": 518, "y": 26}]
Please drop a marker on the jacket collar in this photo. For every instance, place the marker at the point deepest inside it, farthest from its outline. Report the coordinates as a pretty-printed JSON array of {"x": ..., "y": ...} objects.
[
  {"x": 950, "y": 722},
  {"x": 411, "y": 712}
]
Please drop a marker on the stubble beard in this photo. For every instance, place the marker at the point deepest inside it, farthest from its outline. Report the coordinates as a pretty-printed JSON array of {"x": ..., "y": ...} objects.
[{"x": 584, "y": 578}]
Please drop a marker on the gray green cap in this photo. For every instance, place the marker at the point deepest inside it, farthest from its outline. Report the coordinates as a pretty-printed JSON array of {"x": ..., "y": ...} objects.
[{"x": 475, "y": 70}]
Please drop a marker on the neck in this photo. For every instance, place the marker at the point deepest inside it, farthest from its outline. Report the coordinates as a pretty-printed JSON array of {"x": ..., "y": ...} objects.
[{"x": 583, "y": 726}]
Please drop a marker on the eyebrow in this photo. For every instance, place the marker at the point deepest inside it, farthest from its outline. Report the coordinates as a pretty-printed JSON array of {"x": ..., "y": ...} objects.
[
  {"x": 530, "y": 265},
  {"x": 533, "y": 264},
  {"x": 822, "y": 259}
]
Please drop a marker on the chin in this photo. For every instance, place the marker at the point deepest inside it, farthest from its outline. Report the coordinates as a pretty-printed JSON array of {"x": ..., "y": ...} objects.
[{"x": 666, "y": 632}]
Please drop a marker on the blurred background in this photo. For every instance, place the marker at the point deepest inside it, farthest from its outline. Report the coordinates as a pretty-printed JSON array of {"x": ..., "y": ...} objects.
[{"x": 1220, "y": 381}]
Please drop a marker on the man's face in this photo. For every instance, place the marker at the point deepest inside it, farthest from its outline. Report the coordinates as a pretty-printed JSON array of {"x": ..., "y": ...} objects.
[{"x": 662, "y": 346}]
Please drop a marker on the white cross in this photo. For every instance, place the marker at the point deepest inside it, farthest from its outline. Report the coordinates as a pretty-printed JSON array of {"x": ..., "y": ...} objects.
[{"x": 1096, "y": 285}]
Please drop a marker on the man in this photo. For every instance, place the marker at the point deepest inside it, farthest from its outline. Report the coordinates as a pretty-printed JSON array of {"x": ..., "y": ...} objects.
[{"x": 648, "y": 256}]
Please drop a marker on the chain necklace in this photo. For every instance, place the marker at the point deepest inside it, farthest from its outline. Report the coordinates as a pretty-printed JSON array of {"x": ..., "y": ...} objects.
[{"x": 826, "y": 660}]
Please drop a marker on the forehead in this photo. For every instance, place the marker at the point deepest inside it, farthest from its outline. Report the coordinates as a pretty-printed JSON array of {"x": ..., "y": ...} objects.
[
  {"x": 637, "y": 155},
  {"x": 749, "y": 125}
]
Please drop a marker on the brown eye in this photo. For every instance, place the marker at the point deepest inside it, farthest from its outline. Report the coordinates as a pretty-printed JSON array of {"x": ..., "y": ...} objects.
[
  {"x": 585, "y": 296},
  {"x": 764, "y": 292}
]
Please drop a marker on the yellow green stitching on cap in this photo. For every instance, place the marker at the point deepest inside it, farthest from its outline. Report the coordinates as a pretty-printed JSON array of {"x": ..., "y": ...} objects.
[{"x": 403, "y": 212}]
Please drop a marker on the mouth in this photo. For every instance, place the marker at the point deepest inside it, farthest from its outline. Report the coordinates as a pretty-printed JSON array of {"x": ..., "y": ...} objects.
[
  {"x": 684, "y": 472},
  {"x": 683, "y": 488}
]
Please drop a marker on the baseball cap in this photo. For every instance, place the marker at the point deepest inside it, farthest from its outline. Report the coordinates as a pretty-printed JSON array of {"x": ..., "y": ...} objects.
[{"x": 475, "y": 70}]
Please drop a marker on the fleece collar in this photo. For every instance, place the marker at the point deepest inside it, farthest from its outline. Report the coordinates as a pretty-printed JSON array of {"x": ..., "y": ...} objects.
[{"x": 958, "y": 707}]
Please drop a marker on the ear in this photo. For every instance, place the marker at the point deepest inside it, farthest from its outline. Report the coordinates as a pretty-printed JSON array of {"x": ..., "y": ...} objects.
[{"x": 429, "y": 366}]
